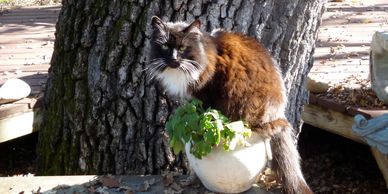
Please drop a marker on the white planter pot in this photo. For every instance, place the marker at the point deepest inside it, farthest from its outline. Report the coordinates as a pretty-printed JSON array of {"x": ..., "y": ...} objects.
[{"x": 230, "y": 171}]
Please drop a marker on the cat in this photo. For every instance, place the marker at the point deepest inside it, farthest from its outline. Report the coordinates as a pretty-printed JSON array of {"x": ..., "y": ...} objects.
[{"x": 233, "y": 73}]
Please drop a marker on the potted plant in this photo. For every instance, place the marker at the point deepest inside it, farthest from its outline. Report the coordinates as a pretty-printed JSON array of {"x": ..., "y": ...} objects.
[{"x": 226, "y": 156}]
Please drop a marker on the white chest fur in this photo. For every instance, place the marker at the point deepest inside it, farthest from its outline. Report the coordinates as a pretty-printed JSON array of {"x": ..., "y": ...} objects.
[{"x": 175, "y": 82}]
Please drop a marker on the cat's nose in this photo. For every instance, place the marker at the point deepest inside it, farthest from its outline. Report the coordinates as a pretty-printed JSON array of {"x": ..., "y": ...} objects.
[{"x": 174, "y": 64}]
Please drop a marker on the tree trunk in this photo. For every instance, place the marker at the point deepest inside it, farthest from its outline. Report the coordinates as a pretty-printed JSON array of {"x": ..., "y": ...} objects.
[{"x": 102, "y": 115}]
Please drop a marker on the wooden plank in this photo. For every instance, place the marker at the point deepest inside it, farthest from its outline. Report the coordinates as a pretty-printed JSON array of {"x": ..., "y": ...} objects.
[
  {"x": 17, "y": 119},
  {"x": 43, "y": 183},
  {"x": 30, "y": 61},
  {"x": 329, "y": 103},
  {"x": 23, "y": 75},
  {"x": 21, "y": 106},
  {"x": 382, "y": 162},
  {"x": 42, "y": 29},
  {"x": 17, "y": 126},
  {"x": 25, "y": 68},
  {"x": 28, "y": 36},
  {"x": 330, "y": 120}
]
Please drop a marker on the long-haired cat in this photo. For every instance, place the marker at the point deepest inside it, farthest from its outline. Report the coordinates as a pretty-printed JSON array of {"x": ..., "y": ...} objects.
[{"x": 234, "y": 74}]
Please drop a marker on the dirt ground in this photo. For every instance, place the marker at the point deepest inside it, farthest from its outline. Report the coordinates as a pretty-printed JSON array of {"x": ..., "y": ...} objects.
[
  {"x": 331, "y": 164},
  {"x": 17, "y": 157},
  {"x": 335, "y": 165}
]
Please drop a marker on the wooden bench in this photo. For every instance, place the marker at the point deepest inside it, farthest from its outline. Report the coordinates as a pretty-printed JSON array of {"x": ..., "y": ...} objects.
[{"x": 325, "y": 114}]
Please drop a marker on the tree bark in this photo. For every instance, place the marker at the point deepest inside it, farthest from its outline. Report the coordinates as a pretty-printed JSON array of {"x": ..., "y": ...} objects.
[{"x": 102, "y": 115}]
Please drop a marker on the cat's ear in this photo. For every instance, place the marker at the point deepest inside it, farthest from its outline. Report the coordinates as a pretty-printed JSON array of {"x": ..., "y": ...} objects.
[
  {"x": 155, "y": 20},
  {"x": 157, "y": 23},
  {"x": 194, "y": 27}
]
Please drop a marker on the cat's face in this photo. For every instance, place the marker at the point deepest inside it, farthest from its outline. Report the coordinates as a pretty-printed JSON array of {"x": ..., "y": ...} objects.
[{"x": 177, "y": 55}]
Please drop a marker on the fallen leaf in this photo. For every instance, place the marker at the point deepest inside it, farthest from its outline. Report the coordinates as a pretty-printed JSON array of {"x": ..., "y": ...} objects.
[
  {"x": 152, "y": 181},
  {"x": 92, "y": 189},
  {"x": 37, "y": 191},
  {"x": 126, "y": 189},
  {"x": 109, "y": 182},
  {"x": 176, "y": 187},
  {"x": 129, "y": 192},
  {"x": 61, "y": 187},
  {"x": 168, "y": 179},
  {"x": 145, "y": 186}
]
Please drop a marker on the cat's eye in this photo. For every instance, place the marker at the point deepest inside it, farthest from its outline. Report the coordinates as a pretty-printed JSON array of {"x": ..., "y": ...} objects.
[
  {"x": 182, "y": 49},
  {"x": 164, "y": 47}
]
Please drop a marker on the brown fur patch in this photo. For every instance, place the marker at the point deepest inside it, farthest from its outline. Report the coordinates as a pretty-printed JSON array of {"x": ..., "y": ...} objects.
[
  {"x": 245, "y": 79},
  {"x": 271, "y": 128}
]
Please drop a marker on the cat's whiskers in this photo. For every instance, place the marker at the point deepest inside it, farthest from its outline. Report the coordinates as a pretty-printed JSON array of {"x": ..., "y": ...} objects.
[
  {"x": 191, "y": 69},
  {"x": 154, "y": 67},
  {"x": 151, "y": 64},
  {"x": 185, "y": 72},
  {"x": 190, "y": 73},
  {"x": 154, "y": 64},
  {"x": 195, "y": 64},
  {"x": 155, "y": 72}
]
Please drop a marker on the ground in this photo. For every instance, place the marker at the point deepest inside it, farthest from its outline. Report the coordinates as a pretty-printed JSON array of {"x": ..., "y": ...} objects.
[
  {"x": 17, "y": 157},
  {"x": 331, "y": 164}
]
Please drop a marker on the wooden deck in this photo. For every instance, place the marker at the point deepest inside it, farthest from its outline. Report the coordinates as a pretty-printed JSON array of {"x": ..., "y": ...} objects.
[
  {"x": 342, "y": 51},
  {"x": 26, "y": 46},
  {"x": 146, "y": 184},
  {"x": 342, "y": 48}
]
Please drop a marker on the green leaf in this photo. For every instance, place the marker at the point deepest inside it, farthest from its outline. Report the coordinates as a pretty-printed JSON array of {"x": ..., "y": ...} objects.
[
  {"x": 227, "y": 135},
  {"x": 179, "y": 129},
  {"x": 192, "y": 121},
  {"x": 203, "y": 129},
  {"x": 218, "y": 137},
  {"x": 186, "y": 135},
  {"x": 209, "y": 137},
  {"x": 178, "y": 147}
]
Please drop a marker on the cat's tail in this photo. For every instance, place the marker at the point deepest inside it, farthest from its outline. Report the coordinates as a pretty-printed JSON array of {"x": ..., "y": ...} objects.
[{"x": 287, "y": 163}]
